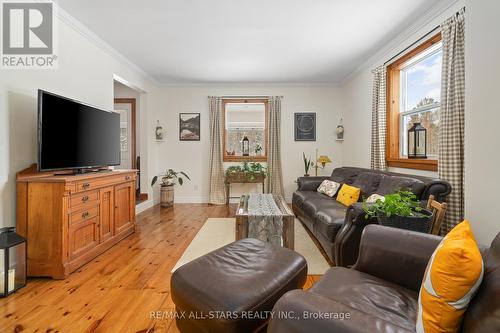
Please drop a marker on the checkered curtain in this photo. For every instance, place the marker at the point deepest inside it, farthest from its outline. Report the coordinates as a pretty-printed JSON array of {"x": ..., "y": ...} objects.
[
  {"x": 217, "y": 188},
  {"x": 275, "y": 175},
  {"x": 378, "y": 118},
  {"x": 452, "y": 123}
]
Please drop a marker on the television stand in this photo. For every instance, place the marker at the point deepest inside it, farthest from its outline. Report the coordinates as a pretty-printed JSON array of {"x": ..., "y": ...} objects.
[{"x": 70, "y": 219}]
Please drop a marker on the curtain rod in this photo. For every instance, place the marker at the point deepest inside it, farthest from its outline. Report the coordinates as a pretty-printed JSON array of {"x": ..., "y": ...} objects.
[
  {"x": 413, "y": 44},
  {"x": 248, "y": 97}
]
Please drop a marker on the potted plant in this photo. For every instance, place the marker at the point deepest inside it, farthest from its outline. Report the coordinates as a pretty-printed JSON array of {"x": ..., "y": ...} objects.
[
  {"x": 401, "y": 210},
  {"x": 168, "y": 180},
  {"x": 246, "y": 172},
  {"x": 258, "y": 150},
  {"x": 307, "y": 164}
]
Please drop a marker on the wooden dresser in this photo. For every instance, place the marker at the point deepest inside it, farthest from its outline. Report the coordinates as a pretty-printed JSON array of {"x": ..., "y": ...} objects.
[{"x": 70, "y": 219}]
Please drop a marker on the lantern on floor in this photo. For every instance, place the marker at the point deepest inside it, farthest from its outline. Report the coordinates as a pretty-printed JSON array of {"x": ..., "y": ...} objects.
[
  {"x": 12, "y": 261},
  {"x": 245, "y": 146},
  {"x": 417, "y": 141}
]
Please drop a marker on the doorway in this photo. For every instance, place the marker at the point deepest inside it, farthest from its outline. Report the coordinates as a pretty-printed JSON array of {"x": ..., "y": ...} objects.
[{"x": 126, "y": 104}]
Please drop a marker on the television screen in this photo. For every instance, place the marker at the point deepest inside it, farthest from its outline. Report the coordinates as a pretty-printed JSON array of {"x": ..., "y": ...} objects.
[{"x": 74, "y": 135}]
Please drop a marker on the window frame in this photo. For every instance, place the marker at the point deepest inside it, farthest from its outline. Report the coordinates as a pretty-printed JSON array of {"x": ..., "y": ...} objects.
[
  {"x": 393, "y": 149},
  {"x": 230, "y": 158}
]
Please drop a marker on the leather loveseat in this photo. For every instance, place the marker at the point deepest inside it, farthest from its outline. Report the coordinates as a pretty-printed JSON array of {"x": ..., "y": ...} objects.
[
  {"x": 338, "y": 228},
  {"x": 380, "y": 293}
]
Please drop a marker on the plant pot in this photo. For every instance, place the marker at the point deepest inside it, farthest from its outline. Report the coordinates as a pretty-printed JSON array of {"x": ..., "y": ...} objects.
[
  {"x": 420, "y": 223},
  {"x": 167, "y": 195}
]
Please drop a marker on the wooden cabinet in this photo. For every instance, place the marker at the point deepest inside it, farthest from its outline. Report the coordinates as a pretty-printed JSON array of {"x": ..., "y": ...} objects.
[
  {"x": 70, "y": 219},
  {"x": 107, "y": 205},
  {"x": 124, "y": 206}
]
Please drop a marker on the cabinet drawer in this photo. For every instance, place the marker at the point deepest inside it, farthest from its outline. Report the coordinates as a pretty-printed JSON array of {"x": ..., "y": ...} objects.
[
  {"x": 90, "y": 184},
  {"x": 84, "y": 214},
  {"x": 84, "y": 198}
]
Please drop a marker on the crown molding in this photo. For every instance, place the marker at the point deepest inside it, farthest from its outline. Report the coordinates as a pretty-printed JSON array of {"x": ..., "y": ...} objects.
[
  {"x": 398, "y": 43},
  {"x": 84, "y": 31}
]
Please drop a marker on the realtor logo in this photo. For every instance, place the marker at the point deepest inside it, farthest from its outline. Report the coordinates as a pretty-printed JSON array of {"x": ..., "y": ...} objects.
[{"x": 28, "y": 35}]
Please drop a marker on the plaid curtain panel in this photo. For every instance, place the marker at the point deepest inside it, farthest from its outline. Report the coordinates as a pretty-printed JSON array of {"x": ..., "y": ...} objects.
[
  {"x": 378, "y": 118},
  {"x": 274, "y": 179},
  {"x": 452, "y": 123},
  {"x": 217, "y": 188}
]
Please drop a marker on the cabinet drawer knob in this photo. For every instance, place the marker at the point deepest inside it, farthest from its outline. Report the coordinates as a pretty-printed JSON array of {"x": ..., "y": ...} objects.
[
  {"x": 127, "y": 178},
  {"x": 85, "y": 198},
  {"x": 85, "y": 214},
  {"x": 85, "y": 185}
]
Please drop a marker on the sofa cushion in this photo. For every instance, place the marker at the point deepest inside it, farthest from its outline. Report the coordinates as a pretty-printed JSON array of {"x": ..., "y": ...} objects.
[
  {"x": 344, "y": 175},
  {"x": 299, "y": 197},
  {"x": 311, "y": 206},
  {"x": 330, "y": 220},
  {"x": 391, "y": 184},
  {"x": 368, "y": 182},
  {"x": 369, "y": 294}
]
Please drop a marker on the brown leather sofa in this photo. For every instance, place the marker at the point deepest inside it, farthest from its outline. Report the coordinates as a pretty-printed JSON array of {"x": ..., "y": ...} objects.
[
  {"x": 338, "y": 228},
  {"x": 380, "y": 293}
]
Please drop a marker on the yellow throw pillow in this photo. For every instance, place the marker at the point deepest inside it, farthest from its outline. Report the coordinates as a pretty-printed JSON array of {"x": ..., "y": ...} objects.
[
  {"x": 451, "y": 278},
  {"x": 348, "y": 195}
]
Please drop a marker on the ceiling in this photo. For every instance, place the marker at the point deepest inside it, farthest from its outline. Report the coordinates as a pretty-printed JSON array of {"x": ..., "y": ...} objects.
[{"x": 237, "y": 41}]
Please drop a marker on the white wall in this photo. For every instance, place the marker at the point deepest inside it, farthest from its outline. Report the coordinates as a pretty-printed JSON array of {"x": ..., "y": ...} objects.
[
  {"x": 482, "y": 117},
  {"x": 192, "y": 157},
  {"x": 482, "y": 110},
  {"x": 85, "y": 73}
]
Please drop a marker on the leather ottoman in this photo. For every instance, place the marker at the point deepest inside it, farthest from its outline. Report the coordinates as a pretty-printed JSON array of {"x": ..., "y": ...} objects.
[{"x": 234, "y": 288}]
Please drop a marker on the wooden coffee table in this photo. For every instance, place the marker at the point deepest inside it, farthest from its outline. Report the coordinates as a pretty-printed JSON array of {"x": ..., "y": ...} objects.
[{"x": 287, "y": 216}]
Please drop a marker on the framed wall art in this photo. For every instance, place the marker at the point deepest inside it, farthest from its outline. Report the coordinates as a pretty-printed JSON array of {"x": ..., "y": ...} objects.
[
  {"x": 305, "y": 126},
  {"x": 189, "y": 126}
]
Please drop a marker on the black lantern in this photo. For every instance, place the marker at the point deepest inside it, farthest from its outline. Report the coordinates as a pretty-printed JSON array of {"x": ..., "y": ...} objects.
[
  {"x": 245, "y": 146},
  {"x": 417, "y": 141},
  {"x": 12, "y": 261}
]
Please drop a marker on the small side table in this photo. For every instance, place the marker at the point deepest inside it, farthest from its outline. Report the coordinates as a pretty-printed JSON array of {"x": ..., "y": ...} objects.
[{"x": 243, "y": 178}]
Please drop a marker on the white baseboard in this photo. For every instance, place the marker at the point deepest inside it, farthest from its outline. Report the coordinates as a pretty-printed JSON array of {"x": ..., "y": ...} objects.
[
  {"x": 190, "y": 199},
  {"x": 144, "y": 205}
]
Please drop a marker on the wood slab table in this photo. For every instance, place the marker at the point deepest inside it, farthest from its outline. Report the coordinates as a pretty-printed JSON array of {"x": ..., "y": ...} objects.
[{"x": 287, "y": 216}]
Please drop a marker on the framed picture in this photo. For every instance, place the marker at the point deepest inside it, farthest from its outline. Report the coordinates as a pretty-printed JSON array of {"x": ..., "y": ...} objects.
[
  {"x": 305, "y": 126},
  {"x": 189, "y": 126}
]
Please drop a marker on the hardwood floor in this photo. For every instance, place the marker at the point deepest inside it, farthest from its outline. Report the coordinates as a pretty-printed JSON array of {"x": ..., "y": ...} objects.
[{"x": 119, "y": 290}]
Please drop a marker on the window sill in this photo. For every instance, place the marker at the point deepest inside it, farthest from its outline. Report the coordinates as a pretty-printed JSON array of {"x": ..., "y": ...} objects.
[
  {"x": 418, "y": 164},
  {"x": 245, "y": 159}
]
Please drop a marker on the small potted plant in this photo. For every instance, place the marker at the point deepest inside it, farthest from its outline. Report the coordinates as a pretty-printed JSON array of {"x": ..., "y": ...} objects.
[
  {"x": 258, "y": 150},
  {"x": 307, "y": 164},
  {"x": 400, "y": 210},
  {"x": 168, "y": 180}
]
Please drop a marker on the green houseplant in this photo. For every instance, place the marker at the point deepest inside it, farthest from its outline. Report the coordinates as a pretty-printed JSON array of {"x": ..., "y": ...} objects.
[
  {"x": 307, "y": 164},
  {"x": 401, "y": 210},
  {"x": 168, "y": 180},
  {"x": 246, "y": 170}
]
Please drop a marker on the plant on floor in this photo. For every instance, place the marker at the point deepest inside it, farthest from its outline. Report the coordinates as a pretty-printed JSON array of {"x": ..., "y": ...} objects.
[
  {"x": 170, "y": 177},
  {"x": 307, "y": 164}
]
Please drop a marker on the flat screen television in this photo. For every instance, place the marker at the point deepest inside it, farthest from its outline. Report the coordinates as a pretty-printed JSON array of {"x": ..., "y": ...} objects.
[{"x": 75, "y": 135}]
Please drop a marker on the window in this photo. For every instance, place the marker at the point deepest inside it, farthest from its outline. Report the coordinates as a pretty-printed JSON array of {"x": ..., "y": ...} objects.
[
  {"x": 414, "y": 95},
  {"x": 245, "y": 126}
]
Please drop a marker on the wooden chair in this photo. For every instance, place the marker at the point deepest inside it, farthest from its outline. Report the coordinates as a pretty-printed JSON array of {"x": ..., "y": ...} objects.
[{"x": 438, "y": 210}]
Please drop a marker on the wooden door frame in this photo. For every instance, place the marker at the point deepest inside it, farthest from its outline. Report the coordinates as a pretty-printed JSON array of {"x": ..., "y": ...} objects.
[{"x": 132, "y": 102}]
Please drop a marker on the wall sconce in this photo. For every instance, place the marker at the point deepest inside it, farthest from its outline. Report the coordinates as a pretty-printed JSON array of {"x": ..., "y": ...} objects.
[
  {"x": 159, "y": 131},
  {"x": 339, "y": 131}
]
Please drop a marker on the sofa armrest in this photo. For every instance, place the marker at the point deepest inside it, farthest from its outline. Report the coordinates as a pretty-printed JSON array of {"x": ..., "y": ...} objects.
[
  {"x": 439, "y": 189},
  {"x": 349, "y": 236},
  {"x": 310, "y": 183},
  {"x": 396, "y": 255},
  {"x": 299, "y": 311}
]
